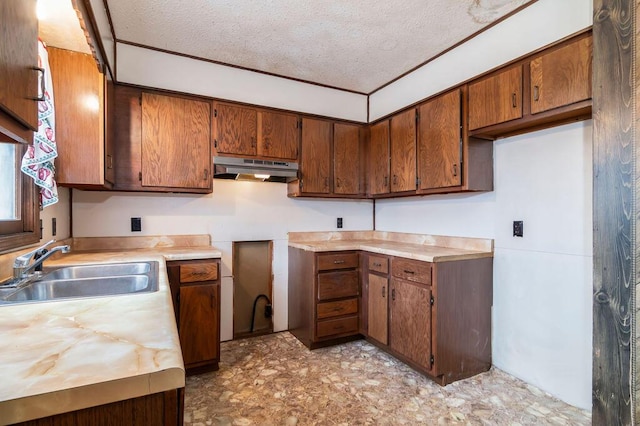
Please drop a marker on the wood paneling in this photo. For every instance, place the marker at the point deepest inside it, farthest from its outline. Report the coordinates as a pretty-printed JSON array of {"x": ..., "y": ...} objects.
[
  {"x": 346, "y": 158},
  {"x": 379, "y": 159},
  {"x": 378, "y": 308},
  {"x": 561, "y": 77},
  {"x": 615, "y": 211},
  {"x": 345, "y": 260},
  {"x": 80, "y": 125},
  {"x": 439, "y": 142},
  {"x": 279, "y": 135},
  {"x": 19, "y": 53},
  {"x": 198, "y": 304},
  {"x": 334, "y": 285},
  {"x": 496, "y": 99},
  {"x": 176, "y": 142},
  {"x": 403, "y": 151},
  {"x": 410, "y": 321},
  {"x": 315, "y": 164},
  {"x": 198, "y": 271},
  {"x": 236, "y": 129},
  {"x": 338, "y": 308}
]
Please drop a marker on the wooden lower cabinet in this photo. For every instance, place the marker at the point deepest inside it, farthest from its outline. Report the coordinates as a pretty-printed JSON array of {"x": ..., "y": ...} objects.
[
  {"x": 324, "y": 291},
  {"x": 378, "y": 298},
  {"x": 195, "y": 288},
  {"x": 158, "y": 409}
]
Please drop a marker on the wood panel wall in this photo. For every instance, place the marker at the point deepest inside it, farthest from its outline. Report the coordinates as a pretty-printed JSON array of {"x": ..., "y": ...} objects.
[{"x": 615, "y": 246}]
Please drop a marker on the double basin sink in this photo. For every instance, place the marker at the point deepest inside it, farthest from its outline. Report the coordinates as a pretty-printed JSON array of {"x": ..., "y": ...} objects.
[{"x": 83, "y": 281}]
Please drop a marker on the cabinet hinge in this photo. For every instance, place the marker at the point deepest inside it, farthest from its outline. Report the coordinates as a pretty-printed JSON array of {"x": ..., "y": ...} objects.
[
  {"x": 215, "y": 143},
  {"x": 140, "y": 99},
  {"x": 140, "y": 176},
  {"x": 417, "y": 182},
  {"x": 432, "y": 360},
  {"x": 301, "y": 183},
  {"x": 432, "y": 301},
  {"x": 417, "y": 117},
  {"x": 300, "y": 123},
  {"x": 215, "y": 113}
]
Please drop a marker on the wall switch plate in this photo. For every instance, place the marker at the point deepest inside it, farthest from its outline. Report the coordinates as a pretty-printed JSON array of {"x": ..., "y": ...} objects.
[
  {"x": 518, "y": 228},
  {"x": 54, "y": 229},
  {"x": 339, "y": 224},
  {"x": 136, "y": 224}
]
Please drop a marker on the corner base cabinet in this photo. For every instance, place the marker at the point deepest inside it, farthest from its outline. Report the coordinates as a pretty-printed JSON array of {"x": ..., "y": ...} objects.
[
  {"x": 195, "y": 289},
  {"x": 324, "y": 291}
]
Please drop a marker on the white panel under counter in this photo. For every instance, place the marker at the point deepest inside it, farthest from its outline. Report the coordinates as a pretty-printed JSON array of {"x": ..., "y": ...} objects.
[{"x": 428, "y": 248}]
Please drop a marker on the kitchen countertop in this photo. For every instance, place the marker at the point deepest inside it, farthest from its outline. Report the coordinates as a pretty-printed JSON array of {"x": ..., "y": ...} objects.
[
  {"x": 62, "y": 356},
  {"x": 428, "y": 248}
]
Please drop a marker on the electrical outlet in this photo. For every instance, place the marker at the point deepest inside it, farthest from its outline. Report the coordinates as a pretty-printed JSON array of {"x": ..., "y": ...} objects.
[
  {"x": 136, "y": 224},
  {"x": 518, "y": 228},
  {"x": 54, "y": 229},
  {"x": 339, "y": 224}
]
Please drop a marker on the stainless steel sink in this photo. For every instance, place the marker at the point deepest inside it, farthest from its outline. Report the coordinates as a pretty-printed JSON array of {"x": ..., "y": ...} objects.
[{"x": 85, "y": 281}]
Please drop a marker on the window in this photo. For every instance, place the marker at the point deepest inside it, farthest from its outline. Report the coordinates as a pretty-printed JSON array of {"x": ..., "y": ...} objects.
[{"x": 19, "y": 212}]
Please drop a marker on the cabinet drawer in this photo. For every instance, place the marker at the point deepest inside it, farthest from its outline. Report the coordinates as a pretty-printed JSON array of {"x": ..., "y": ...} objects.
[
  {"x": 337, "y": 309},
  {"x": 337, "y": 261},
  {"x": 379, "y": 264},
  {"x": 205, "y": 271},
  {"x": 411, "y": 270},
  {"x": 334, "y": 285},
  {"x": 337, "y": 326}
]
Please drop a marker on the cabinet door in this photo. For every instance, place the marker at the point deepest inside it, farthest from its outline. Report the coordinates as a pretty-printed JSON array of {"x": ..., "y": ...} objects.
[
  {"x": 378, "y": 308},
  {"x": 410, "y": 323},
  {"x": 19, "y": 57},
  {"x": 176, "y": 142},
  {"x": 379, "y": 158},
  {"x": 403, "y": 151},
  {"x": 346, "y": 159},
  {"x": 236, "y": 130},
  {"x": 199, "y": 326},
  {"x": 80, "y": 127},
  {"x": 561, "y": 77},
  {"x": 278, "y": 135},
  {"x": 315, "y": 164},
  {"x": 439, "y": 142},
  {"x": 496, "y": 99}
]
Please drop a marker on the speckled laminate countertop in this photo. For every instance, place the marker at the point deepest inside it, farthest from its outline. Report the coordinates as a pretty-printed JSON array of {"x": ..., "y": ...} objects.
[
  {"x": 62, "y": 356},
  {"x": 428, "y": 248}
]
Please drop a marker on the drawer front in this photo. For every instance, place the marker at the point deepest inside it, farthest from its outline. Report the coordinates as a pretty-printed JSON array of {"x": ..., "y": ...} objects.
[
  {"x": 412, "y": 270},
  {"x": 334, "y": 285},
  {"x": 378, "y": 264},
  {"x": 337, "y": 309},
  {"x": 205, "y": 271},
  {"x": 337, "y": 326},
  {"x": 327, "y": 262}
]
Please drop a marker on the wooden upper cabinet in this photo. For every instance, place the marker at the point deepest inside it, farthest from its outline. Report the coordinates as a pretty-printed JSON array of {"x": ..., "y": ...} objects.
[
  {"x": 379, "y": 158},
  {"x": 403, "y": 151},
  {"x": 278, "y": 135},
  {"x": 496, "y": 99},
  {"x": 80, "y": 120},
  {"x": 346, "y": 159},
  {"x": 176, "y": 142},
  {"x": 562, "y": 76},
  {"x": 236, "y": 129},
  {"x": 19, "y": 62},
  {"x": 440, "y": 142},
  {"x": 315, "y": 162}
]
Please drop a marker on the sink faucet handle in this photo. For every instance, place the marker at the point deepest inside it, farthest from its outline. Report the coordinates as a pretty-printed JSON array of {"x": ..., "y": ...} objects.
[{"x": 24, "y": 259}]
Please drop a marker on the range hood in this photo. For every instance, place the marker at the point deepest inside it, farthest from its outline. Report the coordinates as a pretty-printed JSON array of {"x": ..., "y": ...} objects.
[{"x": 257, "y": 170}]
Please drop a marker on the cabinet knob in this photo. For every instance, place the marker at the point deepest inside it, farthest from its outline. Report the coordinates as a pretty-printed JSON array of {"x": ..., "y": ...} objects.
[{"x": 536, "y": 93}]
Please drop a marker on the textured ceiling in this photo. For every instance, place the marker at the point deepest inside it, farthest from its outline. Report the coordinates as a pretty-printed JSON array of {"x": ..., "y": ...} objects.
[
  {"x": 59, "y": 26},
  {"x": 354, "y": 45}
]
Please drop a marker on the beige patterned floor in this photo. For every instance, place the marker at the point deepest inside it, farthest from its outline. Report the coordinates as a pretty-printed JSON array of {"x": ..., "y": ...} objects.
[{"x": 275, "y": 380}]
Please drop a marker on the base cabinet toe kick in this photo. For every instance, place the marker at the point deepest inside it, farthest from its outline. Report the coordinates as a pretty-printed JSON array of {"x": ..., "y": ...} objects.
[{"x": 434, "y": 316}]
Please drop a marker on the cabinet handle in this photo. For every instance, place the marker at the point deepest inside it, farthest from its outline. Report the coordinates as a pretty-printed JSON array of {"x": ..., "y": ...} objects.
[
  {"x": 393, "y": 294},
  {"x": 377, "y": 265},
  {"x": 536, "y": 93},
  {"x": 513, "y": 100},
  {"x": 326, "y": 182},
  {"x": 43, "y": 87},
  {"x": 109, "y": 161},
  {"x": 338, "y": 262},
  {"x": 406, "y": 271},
  {"x": 395, "y": 179},
  {"x": 386, "y": 181},
  {"x": 338, "y": 182},
  {"x": 253, "y": 142},
  {"x": 455, "y": 170},
  {"x": 206, "y": 174},
  {"x": 383, "y": 292}
]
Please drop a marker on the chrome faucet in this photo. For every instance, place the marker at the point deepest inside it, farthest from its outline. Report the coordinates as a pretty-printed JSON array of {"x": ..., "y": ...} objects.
[{"x": 21, "y": 266}]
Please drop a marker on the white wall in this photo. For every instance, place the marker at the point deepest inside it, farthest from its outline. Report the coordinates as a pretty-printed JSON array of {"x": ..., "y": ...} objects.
[
  {"x": 536, "y": 26},
  {"x": 542, "y": 317},
  {"x": 62, "y": 212},
  {"x": 147, "y": 67},
  {"x": 236, "y": 211}
]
